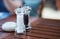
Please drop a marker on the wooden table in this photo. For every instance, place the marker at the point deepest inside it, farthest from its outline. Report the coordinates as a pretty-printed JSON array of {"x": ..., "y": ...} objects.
[{"x": 39, "y": 31}]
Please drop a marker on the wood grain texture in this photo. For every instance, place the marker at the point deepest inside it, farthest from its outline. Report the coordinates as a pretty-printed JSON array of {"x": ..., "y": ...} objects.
[{"x": 39, "y": 30}]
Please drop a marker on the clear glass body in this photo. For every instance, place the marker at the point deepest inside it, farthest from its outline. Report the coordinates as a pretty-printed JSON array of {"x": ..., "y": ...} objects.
[{"x": 22, "y": 22}]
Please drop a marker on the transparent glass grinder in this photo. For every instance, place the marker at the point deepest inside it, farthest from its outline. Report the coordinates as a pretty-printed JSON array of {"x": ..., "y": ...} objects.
[
  {"x": 23, "y": 25},
  {"x": 26, "y": 21},
  {"x": 20, "y": 31}
]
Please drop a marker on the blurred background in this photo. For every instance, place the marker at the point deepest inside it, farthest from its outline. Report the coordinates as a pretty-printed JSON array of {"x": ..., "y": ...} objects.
[
  {"x": 4, "y": 13},
  {"x": 6, "y": 7}
]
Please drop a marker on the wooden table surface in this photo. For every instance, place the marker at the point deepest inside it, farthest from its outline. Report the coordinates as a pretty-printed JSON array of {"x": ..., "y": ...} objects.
[{"x": 39, "y": 31}]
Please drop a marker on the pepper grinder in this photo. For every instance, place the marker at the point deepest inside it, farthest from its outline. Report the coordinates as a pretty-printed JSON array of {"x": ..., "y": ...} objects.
[
  {"x": 26, "y": 21},
  {"x": 23, "y": 25}
]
